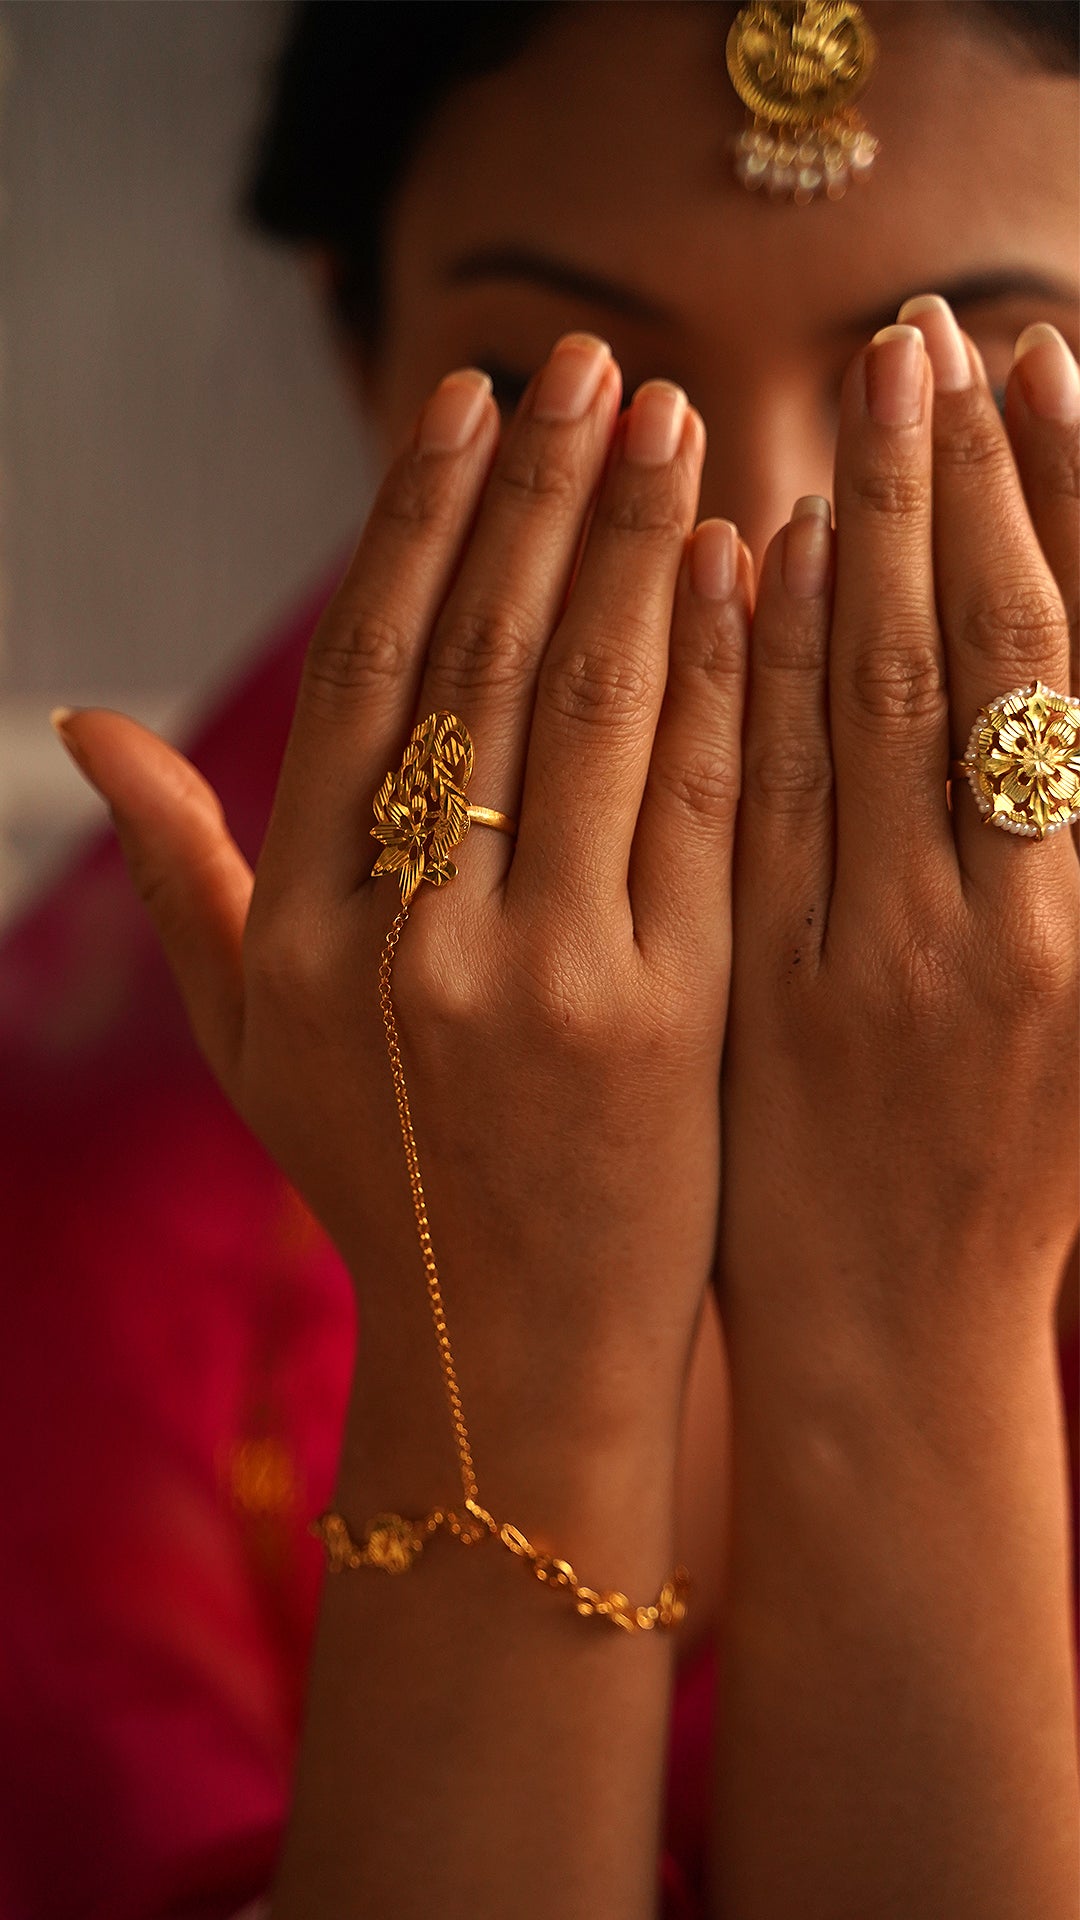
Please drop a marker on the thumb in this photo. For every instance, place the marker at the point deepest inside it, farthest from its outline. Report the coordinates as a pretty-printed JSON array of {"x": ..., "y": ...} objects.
[{"x": 186, "y": 867}]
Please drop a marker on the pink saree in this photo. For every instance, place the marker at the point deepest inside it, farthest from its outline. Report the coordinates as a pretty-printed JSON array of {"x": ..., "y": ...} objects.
[{"x": 178, "y": 1343}]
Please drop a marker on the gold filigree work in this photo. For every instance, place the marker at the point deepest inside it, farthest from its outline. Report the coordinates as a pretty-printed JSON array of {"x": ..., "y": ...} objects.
[
  {"x": 1023, "y": 761},
  {"x": 800, "y": 64},
  {"x": 421, "y": 812},
  {"x": 799, "y": 68}
]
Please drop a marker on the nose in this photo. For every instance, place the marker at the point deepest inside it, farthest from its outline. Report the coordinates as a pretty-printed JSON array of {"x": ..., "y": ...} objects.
[{"x": 768, "y": 442}]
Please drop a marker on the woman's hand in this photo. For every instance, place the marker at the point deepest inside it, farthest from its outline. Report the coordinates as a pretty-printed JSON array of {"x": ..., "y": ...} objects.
[
  {"x": 899, "y": 1106},
  {"x": 562, "y": 1000},
  {"x": 561, "y": 1004},
  {"x": 899, "y": 1088}
]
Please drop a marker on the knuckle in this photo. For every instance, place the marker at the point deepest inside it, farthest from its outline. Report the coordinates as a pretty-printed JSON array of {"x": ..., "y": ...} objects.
[
  {"x": 789, "y": 646},
  {"x": 535, "y": 470},
  {"x": 921, "y": 984},
  {"x": 1059, "y": 469},
  {"x": 973, "y": 443},
  {"x": 598, "y": 686},
  {"x": 1018, "y": 625},
  {"x": 702, "y": 785},
  {"x": 710, "y": 649},
  {"x": 889, "y": 491},
  {"x": 415, "y": 498},
  {"x": 1041, "y": 965},
  {"x": 151, "y": 883},
  {"x": 282, "y": 961},
  {"x": 899, "y": 680},
  {"x": 351, "y": 657},
  {"x": 644, "y": 513},
  {"x": 565, "y": 999},
  {"x": 484, "y": 647},
  {"x": 430, "y": 988},
  {"x": 789, "y": 776}
]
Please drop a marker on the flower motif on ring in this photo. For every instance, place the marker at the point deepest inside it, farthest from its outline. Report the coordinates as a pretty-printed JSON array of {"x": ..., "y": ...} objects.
[
  {"x": 421, "y": 812},
  {"x": 1023, "y": 761}
]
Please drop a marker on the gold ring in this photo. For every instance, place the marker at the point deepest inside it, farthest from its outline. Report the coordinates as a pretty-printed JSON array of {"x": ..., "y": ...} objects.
[
  {"x": 491, "y": 817},
  {"x": 421, "y": 812},
  {"x": 1023, "y": 761}
]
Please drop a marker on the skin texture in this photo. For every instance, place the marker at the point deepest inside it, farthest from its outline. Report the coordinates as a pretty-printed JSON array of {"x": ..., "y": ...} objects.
[{"x": 893, "y": 1404}]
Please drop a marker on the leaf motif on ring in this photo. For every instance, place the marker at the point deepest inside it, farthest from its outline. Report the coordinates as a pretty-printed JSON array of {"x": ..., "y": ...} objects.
[{"x": 421, "y": 812}]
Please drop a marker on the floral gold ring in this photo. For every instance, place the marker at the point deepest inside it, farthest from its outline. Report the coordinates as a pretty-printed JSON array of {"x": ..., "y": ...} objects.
[
  {"x": 1023, "y": 761},
  {"x": 421, "y": 809}
]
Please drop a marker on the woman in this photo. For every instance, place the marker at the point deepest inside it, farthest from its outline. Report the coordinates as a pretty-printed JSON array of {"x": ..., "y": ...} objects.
[{"x": 840, "y": 1307}]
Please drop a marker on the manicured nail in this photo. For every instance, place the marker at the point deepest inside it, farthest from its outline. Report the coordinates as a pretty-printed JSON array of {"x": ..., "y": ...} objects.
[
  {"x": 944, "y": 341},
  {"x": 569, "y": 383},
  {"x": 804, "y": 559},
  {"x": 452, "y": 415},
  {"x": 1048, "y": 374},
  {"x": 714, "y": 560},
  {"x": 894, "y": 376},
  {"x": 655, "y": 425}
]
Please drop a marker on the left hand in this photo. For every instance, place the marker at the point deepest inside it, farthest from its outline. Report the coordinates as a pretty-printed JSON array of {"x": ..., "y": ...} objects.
[{"x": 899, "y": 1097}]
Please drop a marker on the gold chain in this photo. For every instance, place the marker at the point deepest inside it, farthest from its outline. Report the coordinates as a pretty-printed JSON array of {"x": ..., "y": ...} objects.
[
  {"x": 392, "y": 1541},
  {"x": 412, "y": 1161}
]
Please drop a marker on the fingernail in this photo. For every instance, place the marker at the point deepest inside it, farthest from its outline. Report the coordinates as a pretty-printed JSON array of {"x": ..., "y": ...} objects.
[
  {"x": 569, "y": 383},
  {"x": 894, "y": 376},
  {"x": 804, "y": 559},
  {"x": 655, "y": 425},
  {"x": 58, "y": 721},
  {"x": 944, "y": 341},
  {"x": 452, "y": 415},
  {"x": 714, "y": 560},
  {"x": 1048, "y": 374}
]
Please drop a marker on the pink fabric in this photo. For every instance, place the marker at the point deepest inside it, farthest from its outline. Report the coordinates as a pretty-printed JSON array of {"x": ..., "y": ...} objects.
[{"x": 164, "y": 1300}]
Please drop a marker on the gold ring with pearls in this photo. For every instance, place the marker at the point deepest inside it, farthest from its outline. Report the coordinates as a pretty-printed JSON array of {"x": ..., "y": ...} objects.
[{"x": 1023, "y": 761}]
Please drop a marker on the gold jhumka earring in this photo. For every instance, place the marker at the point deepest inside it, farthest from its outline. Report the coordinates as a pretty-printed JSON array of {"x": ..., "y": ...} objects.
[{"x": 799, "y": 68}]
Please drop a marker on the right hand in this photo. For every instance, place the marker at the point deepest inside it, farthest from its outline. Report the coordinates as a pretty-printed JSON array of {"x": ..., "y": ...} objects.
[{"x": 562, "y": 1001}]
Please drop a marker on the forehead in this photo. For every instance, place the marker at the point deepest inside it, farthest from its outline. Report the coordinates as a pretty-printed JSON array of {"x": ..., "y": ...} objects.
[{"x": 607, "y": 141}]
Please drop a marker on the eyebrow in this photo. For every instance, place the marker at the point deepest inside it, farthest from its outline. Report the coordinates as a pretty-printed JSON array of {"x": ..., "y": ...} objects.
[
  {"x": 969, "y": 289},
  {"x": 506, "y": 262},
  {"x": 559, "y": 276}
]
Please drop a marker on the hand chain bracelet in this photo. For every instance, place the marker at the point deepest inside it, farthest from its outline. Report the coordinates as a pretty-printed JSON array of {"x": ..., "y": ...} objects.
[{"x": 421, "y": 813}]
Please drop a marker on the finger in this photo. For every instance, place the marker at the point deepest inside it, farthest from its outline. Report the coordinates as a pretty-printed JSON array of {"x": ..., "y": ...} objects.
[
  {"x": 490, "y": 636},
  {"x": 361, "y": 672},
  {"x": 680, "y": 862},
  {"x": 887, "y": 706},
  {"x": 601, "y": 680},
  {"x": 784, "y": 844},
  {"x": 187, "y": 869},
  {"x": 1042, "y": 414},
  {"x": 1001, "y": 613}
]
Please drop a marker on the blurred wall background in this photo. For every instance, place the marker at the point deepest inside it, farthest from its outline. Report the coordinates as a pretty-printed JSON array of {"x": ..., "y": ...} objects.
[{"x": 177, "y": 457}]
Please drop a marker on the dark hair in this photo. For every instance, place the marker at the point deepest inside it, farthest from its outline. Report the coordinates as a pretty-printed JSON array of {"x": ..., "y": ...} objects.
[{"x": 357, "y": 81}]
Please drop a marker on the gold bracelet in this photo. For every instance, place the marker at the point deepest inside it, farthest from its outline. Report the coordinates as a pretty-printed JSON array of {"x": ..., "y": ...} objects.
[
  {"x": 393, "y": 1543},
  {"x": 421, "y": 813}
]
